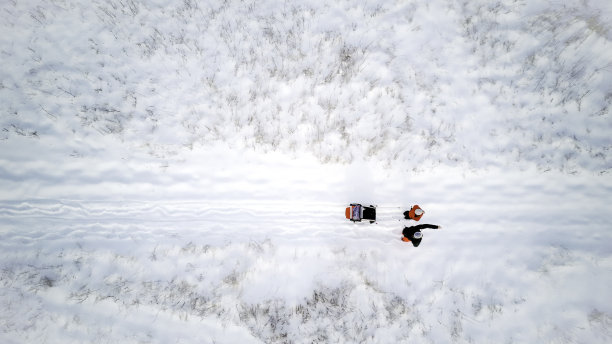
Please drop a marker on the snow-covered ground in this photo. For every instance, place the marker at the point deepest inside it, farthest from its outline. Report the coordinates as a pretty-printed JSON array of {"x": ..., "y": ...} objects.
[{"x": 177, "y": 171}]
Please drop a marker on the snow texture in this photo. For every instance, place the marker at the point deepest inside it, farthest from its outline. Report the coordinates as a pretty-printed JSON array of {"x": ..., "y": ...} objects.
[{"x": 178, "y": 171}]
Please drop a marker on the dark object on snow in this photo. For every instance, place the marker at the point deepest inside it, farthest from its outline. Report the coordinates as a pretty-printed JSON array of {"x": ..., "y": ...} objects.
[
  {"x": 415, "y": 213},
  {"x": 357, "y": 212},
  {"x": 413, "y": 234}
]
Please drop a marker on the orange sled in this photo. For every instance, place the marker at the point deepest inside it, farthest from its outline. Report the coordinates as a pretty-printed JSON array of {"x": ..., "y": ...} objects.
[{"x": 357, "y": 212}]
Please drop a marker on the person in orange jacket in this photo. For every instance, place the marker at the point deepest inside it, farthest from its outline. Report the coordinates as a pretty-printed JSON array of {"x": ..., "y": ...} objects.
[
  {"x": 413, "y": 234},
  {"x": 415, "y": 213}
]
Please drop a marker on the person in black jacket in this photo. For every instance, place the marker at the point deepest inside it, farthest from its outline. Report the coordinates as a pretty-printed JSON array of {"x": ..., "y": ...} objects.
[{"x": 413, "y": 234}]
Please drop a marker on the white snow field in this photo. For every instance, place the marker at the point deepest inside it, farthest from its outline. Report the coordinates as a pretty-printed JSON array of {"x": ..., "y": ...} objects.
[{"x": 177, "y": 171}]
